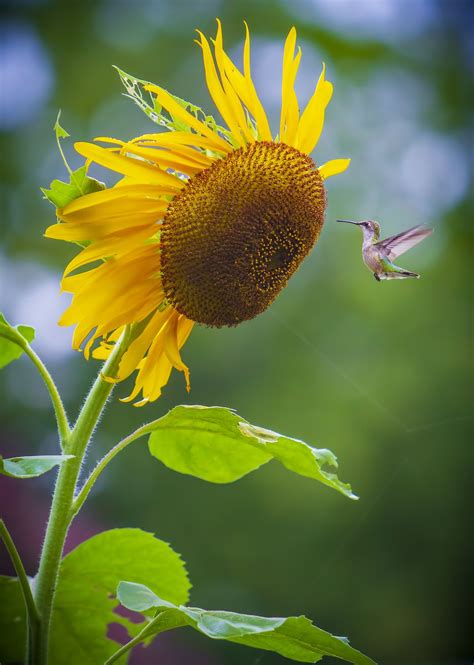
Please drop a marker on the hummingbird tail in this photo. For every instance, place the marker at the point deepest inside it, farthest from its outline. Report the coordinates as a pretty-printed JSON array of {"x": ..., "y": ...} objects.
[{"x": 402, "y": 274}]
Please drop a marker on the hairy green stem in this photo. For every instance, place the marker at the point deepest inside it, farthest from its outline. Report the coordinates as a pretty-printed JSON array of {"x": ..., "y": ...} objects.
[
  {"x": 108, "y": 457},
  {"x": 59, "y": 410},
  {"x": 32, "y": 612},
  {"x": 61, "y": 417},
  {"x": 60, "y": 515}
]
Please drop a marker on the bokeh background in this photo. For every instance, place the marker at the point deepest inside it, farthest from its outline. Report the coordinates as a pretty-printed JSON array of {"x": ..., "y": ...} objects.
[{"x": 379, "y": 373}]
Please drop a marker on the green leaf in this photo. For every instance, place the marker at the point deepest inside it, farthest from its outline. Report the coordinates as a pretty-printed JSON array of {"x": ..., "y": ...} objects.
[
  {"x": 154, "y": 111},
  {"x": 12, "y": 621},
  {"x": 89, "y": 575},
  {"x": 294, "y": 637},
  {"x": 217, "y": 445},
  {"x": 61, "y": 193},
  {"x": 60, "y": 132},
  {"x": 13, "y": 341},
  {"x": 30, "y": 467}
]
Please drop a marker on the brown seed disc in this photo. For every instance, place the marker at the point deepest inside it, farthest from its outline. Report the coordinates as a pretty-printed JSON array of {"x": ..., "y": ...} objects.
[{"x": 238, "y": 231}]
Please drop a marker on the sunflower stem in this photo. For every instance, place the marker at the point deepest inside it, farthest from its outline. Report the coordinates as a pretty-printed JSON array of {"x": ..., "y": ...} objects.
[{"x": 61, "y": 509}]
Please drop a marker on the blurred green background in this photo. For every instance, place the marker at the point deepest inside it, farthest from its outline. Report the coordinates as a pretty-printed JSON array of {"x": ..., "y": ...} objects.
[{"x": 379, "y": 373}]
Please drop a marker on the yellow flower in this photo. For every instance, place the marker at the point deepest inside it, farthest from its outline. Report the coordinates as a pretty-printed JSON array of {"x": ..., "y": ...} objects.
[{"x": 206, "y": 225}]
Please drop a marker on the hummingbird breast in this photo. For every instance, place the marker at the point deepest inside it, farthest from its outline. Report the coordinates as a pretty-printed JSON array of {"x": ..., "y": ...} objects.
[{"x": 371, "y": 257}]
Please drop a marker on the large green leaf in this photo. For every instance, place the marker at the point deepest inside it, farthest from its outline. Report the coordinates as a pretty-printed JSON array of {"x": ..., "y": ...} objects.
[
  {"x": 85, "y": 602},
  {"x": 136, "y": 92},
  {"x": 294, "y": 637},
  {"x": 217, "y": 445},
  {"x": 12, "y": 621},
  {"x": 32, "y": 466},
  {"x": 13, "y": 340}
]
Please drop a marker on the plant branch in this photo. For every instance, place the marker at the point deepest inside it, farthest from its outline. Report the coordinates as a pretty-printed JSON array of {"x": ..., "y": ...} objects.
[
  {"x": 59, "y": 410},
  {"x": 20, "y": 571},
  {"x": 61, "y": 417},
  {"x": 108, "y": 457},
  {"x": 133, "y": 642},
  {"x": 33, "y": 623}
]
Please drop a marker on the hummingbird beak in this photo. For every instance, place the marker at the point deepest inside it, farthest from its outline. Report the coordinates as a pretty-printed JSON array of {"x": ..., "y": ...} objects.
[{"x": 347, "y": 221}]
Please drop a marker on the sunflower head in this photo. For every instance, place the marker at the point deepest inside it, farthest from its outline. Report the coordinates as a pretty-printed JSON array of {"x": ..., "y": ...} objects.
[
  {"x": 208, "y": 222},
  {"x": 238, "y": 230}
]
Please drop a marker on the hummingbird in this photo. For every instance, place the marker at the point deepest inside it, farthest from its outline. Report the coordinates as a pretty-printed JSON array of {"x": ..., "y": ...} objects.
[{"x": 379, "y": 254}]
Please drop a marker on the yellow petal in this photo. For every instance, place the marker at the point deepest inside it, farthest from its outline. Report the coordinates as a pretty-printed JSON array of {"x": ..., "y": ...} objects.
[
  {"x": 232, "y": 96},
  {"x": 166, "y": 159},
  {"x": 118, "y": 195},
  {"x": 111, "y": 245},
  {"x": 83, "y": 231},
  {"x": 162, "y": 339},
  {"x": 217, "y": 92},
  {"x": 140, "y": 345},
  {"x": 193, "y": 155},
  {"x": 312, "y": 119},
  {"x": 237, "y": 80},
  {"x": 292, "y": 111},
  {"x": 154, "y": 370},
  {"x": 182, "y": 138},
  {"x": 172, "y": 351},
  {"x": 138, "y": 169},
  {"x": 334, "y": 167},
  {"x": 287, "y": 81},
  {"x": 256, "y": 107}
]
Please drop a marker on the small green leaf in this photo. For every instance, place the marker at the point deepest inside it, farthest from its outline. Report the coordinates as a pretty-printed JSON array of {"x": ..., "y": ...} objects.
[
  {"x": 60, "y": 132},
  {"x": 138, "y": 597},
  {"x": 13, "y": 340},
  {"x": 12, "y": 621},
  {"x": 294, "y": 637},
  {"x": 61, "y": 193},
  {"x": 89, "y": 575},
  {"x": 30, "y": 467},
  {"x": 217, "y": 445}
]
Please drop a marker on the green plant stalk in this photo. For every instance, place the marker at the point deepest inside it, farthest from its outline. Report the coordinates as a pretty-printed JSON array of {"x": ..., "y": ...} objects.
[
  {"x": 60, "y": 413},
  {"x": 133, "y": 642},
  {"x": 61, "y": 514},
  {"x": 108, "y": 457},
  {"x": 32, "y": 612},
  {"x": 61, "y": 417}
]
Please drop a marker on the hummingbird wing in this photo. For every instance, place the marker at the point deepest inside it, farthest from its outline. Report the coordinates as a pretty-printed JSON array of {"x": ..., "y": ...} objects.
[{"x": 394, "y": 246}]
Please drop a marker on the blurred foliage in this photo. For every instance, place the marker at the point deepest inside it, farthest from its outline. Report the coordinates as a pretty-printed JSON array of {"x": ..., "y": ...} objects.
[{"x": 379, "y": 373}]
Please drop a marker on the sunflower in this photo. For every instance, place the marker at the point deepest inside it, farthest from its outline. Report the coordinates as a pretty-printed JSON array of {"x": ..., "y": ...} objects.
[{"x": 206, "y": 224}]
